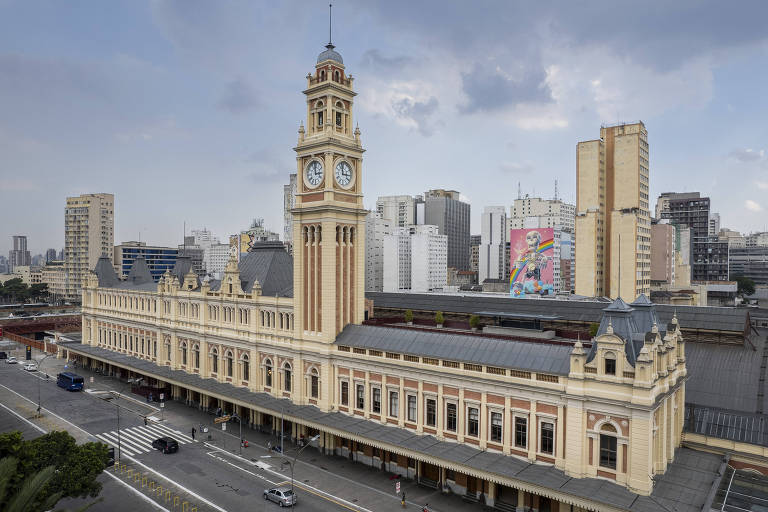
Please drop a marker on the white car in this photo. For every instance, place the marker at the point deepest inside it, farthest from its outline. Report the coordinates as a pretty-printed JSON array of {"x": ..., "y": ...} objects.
[
  {"x": 11, "y": 360},
  {"x": 30, "y": 367}
]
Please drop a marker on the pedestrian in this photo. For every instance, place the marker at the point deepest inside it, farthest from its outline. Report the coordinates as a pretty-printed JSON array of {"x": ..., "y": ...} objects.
[
  {"x": 402, "y": 502},
  {"x": 269, "y": 445},
  {"x": 145, "y": 421},
  {"x": 193, "y": 433},
  {"x": 426, "y": 508}
]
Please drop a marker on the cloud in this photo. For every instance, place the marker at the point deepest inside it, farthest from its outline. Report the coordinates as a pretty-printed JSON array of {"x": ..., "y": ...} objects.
[
  {"x": 267, "y": 165},
  {"x": 762, "y": 185},
  {"x": 374, "y": 59},
  {"x": 490, "y": 88},
  {"x": 239, "y": 97},
  {"x": 747, "y": 155},
  {"x": 419, "y": 112},
  {"x": 752, "y": 206}
]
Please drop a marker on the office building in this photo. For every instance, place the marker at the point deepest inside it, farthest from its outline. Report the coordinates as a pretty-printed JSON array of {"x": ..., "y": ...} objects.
[
  {"x": 551, "y": 213},
  {"x": 446, "y": 210},
  {"x": 494, "y": 237},
  {"x": 19, "y": 255},
  {"x": 3, "y": 265},
  {"x": 195, "y": 252},
  {"x": 757, "y": 239},
  {"x": 400, "y": 210},
  {"x": 54, "y": 275},
  {"x": 158, "y": 259},
  {"x": 613, "y": 223},
  {"x": 735, "y": 239},
  {"x": 751, "y": 262},
  {"x": 376, "y": 228},
  {"x": 50, "y": 255},
  {"x": 89, "y": 225},
  {"x": 474, "y": 253},
  {"x": 289, "y": 201},
  {"x": 714, "y": 224},
  {"x": 415, "y": 259},
  {"x": 215, "y": 257},
  {"x": 663, "y": 254}
]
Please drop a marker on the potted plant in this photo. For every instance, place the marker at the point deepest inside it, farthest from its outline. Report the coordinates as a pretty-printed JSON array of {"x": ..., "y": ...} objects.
[
  {"x": 439, "y": 319},
  {"x": 409, "y": 317},
  {"x": 474, "y": 322}
]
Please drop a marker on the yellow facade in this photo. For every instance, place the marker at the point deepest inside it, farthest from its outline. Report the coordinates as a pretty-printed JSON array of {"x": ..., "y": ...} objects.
[{"x": 287, "y": 346}]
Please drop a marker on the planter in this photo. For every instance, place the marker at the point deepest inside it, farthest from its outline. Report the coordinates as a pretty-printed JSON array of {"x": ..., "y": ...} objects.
[
  {"x": 408, "y": 323},
  {"x": 439, "y": 326}
]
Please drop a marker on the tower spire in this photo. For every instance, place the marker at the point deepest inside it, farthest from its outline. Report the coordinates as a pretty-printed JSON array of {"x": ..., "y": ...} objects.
[{"x": 330, "y": 21}]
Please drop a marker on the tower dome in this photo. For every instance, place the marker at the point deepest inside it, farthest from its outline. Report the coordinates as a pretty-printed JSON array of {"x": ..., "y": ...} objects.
[{"x": 330, "y": 54}]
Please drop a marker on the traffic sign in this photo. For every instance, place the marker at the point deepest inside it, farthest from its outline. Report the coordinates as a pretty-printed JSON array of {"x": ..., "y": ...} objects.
[
  {"x": 162, "y": 405},
  {"x": 162, "y": 396},
  {"x": 222, "y": 419},
  {"x": 223, "y": 426},
  {"x": 397, "y": 487}
]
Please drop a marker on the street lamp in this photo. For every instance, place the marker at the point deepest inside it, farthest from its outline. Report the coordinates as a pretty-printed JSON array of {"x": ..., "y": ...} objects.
[
  {"x": 117, "y": 404},
  {"x": 293, "y": 463},
  {"x": 39, "y": 368},
  {"x": 240, "y": 422}
]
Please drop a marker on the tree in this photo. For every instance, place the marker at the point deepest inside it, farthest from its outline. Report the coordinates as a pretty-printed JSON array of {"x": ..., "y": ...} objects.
[
  {"x": 746, "y": 286},
  {"x": 474, "y": 321},
  {"x": 15, "y": 289},
  {"x": 439, "y": 318},
  {"x": 593, "y": 327},
  {"x": 30, "y": 495},
  {"x": 409, "y": 315},
  {"x": 76, "y": 466},
  {"x": 38, "y": 291}
]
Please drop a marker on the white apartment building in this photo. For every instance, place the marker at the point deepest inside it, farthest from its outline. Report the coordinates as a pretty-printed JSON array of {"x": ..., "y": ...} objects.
[
  {"x": 552, "y": 213},
  {"x": 415, "y": 259},
  {"x": 757, "y": 239},
  {"x": 215, "y": 257},
  {"x": 401, "y": 210},
  {"x": 494, "y": 236},
  {"x": 714, "y": 224},
  {"x": 376, "y": 228},
  {"x": 89, "y": 233},
  {"x": 204, "y": 238}
]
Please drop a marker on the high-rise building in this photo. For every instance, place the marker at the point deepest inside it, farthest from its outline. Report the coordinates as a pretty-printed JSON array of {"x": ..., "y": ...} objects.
[
  {"x": 158, "y": 259},
  {"x": 415, "y": 259},
  {"x": 50, "y": 255},
  {"x": 376, "y": 228},
  {"x": 54, "y": 275},
  {"x": 446, "y": 210},
  {"x": 663, "y": 254},
  {"x": 215, "y": 258},
  {"x": 289, "y": 201},
  {"x": 613, "y": 222},
  {"x": 714, "y": 224},
  {"x": 553, "y": 213},
  {"x": 474, "y": 253},
  {"x": 400, "y": 210},
  {"x": 196, "y": 252},
  {"x": 19, "y": 256},
  {"x": 751, "y": 262},
  {"x": 735, "y": 239},
  {"x": 494, "y": 236},
  {"x": 757, "y": 239},
  {"x": 89, "y": 225}
]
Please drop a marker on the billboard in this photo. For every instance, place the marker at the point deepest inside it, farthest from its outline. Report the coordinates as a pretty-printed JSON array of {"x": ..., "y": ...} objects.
[{"x": 532, "y": 269}]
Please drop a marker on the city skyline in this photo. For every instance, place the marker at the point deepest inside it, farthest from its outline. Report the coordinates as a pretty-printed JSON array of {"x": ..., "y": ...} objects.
[{"x": 176, "y": 100}]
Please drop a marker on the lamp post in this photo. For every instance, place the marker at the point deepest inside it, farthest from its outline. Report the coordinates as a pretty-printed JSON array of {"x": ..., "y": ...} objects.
[
  {"x": 39, "y": 368},
  {"x": 240, "y": 422},
  {"x": 295, "y": 457},
  {"x": 119, "y": 446}
]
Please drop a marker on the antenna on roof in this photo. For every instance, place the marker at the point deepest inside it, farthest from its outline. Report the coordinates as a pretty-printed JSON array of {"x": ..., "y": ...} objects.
[
  {"x": 555, "y": 190},
  {"x": 519, "y": 191},
  {"x": 330, "y": 19},
  {"x": 185, "y": 237}
]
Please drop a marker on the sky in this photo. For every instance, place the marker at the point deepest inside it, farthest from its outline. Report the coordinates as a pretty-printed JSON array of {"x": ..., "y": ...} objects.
[{"x": 188, "y": 110}]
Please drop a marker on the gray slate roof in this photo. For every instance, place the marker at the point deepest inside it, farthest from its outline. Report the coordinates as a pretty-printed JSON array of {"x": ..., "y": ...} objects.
[
  {"x": 690, "y": 317},
  {"x": 521, "y": 355},
  {"x": 105, "y": 272},
  {"x": 674, "y": 491},
  {"x": 139, "y": 273},
  {"x": 270, "y": 265}
]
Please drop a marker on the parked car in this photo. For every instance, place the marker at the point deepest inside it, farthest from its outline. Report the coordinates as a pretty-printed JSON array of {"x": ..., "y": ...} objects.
[
  {"x": 11, "y": 360},
  {"x": 3, "y": 355},
  {"x": 30, "y": 367},
  {"x": 283, "y": 496},
  {"x": 166, "y": 445}
]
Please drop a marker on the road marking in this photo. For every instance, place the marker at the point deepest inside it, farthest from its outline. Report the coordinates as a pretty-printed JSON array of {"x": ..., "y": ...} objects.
[
  {"x": 113, "y": 442},
  {"x": 319, "y": 492},
  {"x": 22, "y": 418},
  {"x": 142, "y": 496},
  {"x": 169, "y": 431},
  {"x": 213, "y": 454},
  {"x": 137, "y": 440},
  {"x": 304, "y": 487}
]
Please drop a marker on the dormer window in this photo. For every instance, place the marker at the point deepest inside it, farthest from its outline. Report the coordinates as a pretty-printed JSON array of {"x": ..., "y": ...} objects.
[{"x": 610, "y": 363}]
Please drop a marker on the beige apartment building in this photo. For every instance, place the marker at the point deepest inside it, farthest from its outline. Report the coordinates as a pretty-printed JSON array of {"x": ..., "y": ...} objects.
[
  {"x": 89, "y": 224},
  {"x": 54, "y": 275},
  {"x": 534, "y": 426},
  {"x": 613, "y": 225}
]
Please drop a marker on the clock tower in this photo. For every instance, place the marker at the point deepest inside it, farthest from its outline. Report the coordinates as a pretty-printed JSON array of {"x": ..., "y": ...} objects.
[{"x": 328, "y": 218}]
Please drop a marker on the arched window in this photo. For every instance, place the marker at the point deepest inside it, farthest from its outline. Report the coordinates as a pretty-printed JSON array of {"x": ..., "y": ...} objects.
[
  {"x": 196, "y": 352},
  {"x": 314, "y": 383},
  {"x": 610, "y": 363},
  {"x": 268, "y": 373},
  {"x": 322, "y": 75},
  {"x": 184, "y": 353},
  {"x": 246, "y": 367},
  {"x": 215, "y": 360},
  {"x": 608, "y": 446},
  {"x": 287, "y": 377},
  {"x": 230, "y": 363},
  {"x": 337, "y": 76}
]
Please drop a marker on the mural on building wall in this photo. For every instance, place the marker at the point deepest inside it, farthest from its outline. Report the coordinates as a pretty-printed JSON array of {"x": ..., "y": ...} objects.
[{"x": 532, "y": 268}]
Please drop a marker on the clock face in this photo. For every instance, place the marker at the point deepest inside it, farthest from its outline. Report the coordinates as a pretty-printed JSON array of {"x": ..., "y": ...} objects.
[
  {"x": 314, "y": 173},
  {"x": 343, "y": 173}
]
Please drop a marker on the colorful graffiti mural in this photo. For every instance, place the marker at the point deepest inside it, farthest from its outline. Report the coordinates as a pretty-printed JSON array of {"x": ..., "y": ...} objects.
[{"x": 531, "y": 265}]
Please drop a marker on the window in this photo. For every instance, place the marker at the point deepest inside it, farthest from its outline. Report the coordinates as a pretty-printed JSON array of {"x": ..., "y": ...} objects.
[
  {"x": 215, "y": 361},
  {"x": 319, "y": 119},
  {"x": 287, "y": 377},
  {"x": 246, "y": 368},
  {"x": 376, "y": 400},
  {"x": 473, "y": 421},
  {"x": 607, "y": 451},
  {"x": 412, "y": 409},
  {"x": 610, "y": 364},
  {"x": 547, "y": 437},
  {"x": 360, "y": 397},
  {"x": 338, "y": 118},
  {"x": 196, "y": 352},
  {"x": 521, "y": 432},
  {"x": 496, "y": 422},
  {"x": 344, "y": 392},
  {"x": 184, "y": 353},
  {"x": 229, "y": 364},
  {"x": 450, "y": 417},
  {"x": 314, "y": 384},
  {"x": 394, "y": 404},
  {"x": 268, "y": 373},
  {"x": 431, "y": 412}
]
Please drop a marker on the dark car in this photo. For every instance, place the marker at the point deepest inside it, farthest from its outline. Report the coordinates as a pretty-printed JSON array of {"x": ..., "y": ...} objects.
[
  {"x": 3, "y": 355},
  {"x": 165, "y": 445}
]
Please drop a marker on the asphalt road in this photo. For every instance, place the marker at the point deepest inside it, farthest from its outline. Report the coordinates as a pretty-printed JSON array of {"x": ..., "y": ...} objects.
[{"x": 202, "y": 473}]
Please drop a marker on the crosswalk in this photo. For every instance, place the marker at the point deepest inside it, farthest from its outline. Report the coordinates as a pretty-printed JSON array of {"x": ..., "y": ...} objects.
[{"x": 136, "y": 440}]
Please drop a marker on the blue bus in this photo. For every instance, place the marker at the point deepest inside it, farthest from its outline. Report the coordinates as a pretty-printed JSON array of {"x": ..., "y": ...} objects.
[{"x": 70, "y": 381}]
